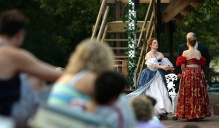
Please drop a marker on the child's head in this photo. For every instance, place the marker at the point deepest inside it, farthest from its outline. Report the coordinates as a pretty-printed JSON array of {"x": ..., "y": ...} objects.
[
  {"x": 153, "y": 101},
  {"x": 143, "y": 108},
  {"x": 108, "y": 86}
]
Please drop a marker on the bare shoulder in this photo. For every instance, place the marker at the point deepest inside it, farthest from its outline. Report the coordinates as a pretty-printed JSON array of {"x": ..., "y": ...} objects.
[
  {"x": 148, "y": 56},
  {"x": 8, "y": 63},
  {"x": 185, "y": 53},
  {"x": 197, "y": 52},
  {"x": 9, "y": 53},
  {"x": 14, "y": 52},
  {"x": 22, "y": 55},
  {"x": 65, "y": 78},
  {"x": 86, "y": 83},
  {"x": 160, "y": 54}
]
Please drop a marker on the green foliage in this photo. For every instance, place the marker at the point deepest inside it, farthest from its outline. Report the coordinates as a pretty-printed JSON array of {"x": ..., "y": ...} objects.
[
  {"x": 204, "y": 22},
  {"x": 132, "y": 45},
  {"x": 56, "y": 26}
]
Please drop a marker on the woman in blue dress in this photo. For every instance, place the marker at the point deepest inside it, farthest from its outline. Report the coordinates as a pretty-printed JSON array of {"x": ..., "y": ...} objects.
[{"x": 152, "y": 81}]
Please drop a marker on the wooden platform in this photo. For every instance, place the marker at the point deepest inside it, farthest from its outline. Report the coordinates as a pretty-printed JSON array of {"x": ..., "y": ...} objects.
[{"x": 209, "y": 122}]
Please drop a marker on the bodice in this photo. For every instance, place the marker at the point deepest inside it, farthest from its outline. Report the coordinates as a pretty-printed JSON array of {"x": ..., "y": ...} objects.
[
  {"x": 182, "y": 60},
  {"x": 193, "y": 61}
]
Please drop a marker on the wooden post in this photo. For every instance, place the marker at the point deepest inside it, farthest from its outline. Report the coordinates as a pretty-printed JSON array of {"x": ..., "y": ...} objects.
[
  {"x": 124, "y": 68},
  {"x": 171, "y": 25},
  {"x": 118, "y": 36},
  {"x": 158, "y": 26}
]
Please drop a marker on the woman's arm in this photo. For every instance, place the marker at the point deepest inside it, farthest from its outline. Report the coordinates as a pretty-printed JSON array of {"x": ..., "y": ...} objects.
[
  {"x": 162, "y": 67},
  {"x": 147, "y": 57},
  {"x": 183, "y": 66},
  {"x": 28, "y": 63},
  {"x": 167, "y": 66}
]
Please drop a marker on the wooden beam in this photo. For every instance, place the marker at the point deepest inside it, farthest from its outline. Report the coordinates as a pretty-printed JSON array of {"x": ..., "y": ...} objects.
[
  {"x": 178, "y": 17},
  {"x": 196, "y": 3},
  {"x": 174, "y": 8},
  {"x": 187, "y": 10},
  {"x": 140, "y": 1}
]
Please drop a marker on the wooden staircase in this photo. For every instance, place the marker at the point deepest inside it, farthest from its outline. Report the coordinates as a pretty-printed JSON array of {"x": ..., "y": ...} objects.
[{"x": 115, "y": 35}]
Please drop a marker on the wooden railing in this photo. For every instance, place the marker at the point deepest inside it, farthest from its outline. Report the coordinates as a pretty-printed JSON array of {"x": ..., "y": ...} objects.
[
  {"x": 147, "y": 30},
  {"x": 103, "y": 12}
]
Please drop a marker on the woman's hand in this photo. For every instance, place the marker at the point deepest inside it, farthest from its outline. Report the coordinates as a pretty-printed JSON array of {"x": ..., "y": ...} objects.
[
  {"x": 167, "y": 68},
  {"x": 179, "y": 76},
  {"x": 171, "y": 68}
]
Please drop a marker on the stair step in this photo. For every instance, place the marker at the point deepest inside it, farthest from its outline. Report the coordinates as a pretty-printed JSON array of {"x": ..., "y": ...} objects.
[
  {"x": 109, "y": 40},
  {"x": 122, "y": 56},
  {"x": 118, "y": 26},
  {"x": 119, "y": 48},
  {"x": 119, "y": 65},
  {"x": 140, "y": 1},
  {"x": 121, "y": 40},
  {"x": 122, "y": 48}
]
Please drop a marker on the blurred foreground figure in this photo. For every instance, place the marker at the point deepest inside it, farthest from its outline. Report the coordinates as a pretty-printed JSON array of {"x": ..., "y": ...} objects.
[
  {"x": 75, "y": 87},
  {"x": 14, "y": 60},
  {"x": 108, "y": 102},
  {"x": 144, "y": 112}
]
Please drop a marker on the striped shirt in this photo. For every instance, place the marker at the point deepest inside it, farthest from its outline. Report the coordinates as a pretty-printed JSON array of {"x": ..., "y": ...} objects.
[{"x": 66, "y": 94}]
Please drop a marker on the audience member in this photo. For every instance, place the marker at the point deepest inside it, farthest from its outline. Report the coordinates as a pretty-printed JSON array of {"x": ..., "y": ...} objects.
[
  {"x": 75, "y": 87},
  {"x": 144, "y": 112},
  {"x": 109, "y": 103},
  {"x": 154, "y": 119},
  {"x": 14, "y": 60}
]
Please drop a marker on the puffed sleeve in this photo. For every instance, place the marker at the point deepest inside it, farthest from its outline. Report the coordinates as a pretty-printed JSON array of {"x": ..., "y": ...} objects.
[
  {"x": 166, "y": 62},
  {"x": 202, "y": 61},
  {"x": 180, "y": 60},
  {"x": 151, "y": 63}
]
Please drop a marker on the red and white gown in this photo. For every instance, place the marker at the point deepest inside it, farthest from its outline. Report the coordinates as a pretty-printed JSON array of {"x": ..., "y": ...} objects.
[{"x": 193, "y": 100}]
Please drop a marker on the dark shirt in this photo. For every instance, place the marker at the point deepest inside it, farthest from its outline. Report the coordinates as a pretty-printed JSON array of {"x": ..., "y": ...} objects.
[{"x": 9, "y": 94}]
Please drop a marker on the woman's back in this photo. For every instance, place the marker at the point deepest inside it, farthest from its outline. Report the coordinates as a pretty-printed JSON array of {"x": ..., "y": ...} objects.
[
  {"x": 192, "y": 56},
  {"x": 193, "y": 53}
]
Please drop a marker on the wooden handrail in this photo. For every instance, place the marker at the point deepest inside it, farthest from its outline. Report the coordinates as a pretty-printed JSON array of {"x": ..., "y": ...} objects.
[
  {"x": 103, "y": 23},
  {"x": 142, "y": 31},
  {"x": 104, "y": 33},
  {"x": 144, "y": 24},
  {"x": 102, "y": 7},
  {"x": 148, "y": 34}
]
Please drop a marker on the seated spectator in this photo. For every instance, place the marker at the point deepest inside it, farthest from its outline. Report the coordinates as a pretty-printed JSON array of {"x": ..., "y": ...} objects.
[
  {"x": 154, "y": 119},
  {"x": 14, "y": 60},
  {"x": 144, "y": 112},
  {"x": 109, "y": 103},
  {"x": 75, "y": 87}
]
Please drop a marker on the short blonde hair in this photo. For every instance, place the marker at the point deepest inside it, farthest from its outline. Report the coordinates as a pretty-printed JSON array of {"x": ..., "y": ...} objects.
[
  {"x": 143, "y": 108},
  {"x": 91, "y": 55}
]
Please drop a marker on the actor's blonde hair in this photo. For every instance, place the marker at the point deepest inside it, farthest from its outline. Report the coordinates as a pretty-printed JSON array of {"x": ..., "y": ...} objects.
[{"x": 91, "y": 55}]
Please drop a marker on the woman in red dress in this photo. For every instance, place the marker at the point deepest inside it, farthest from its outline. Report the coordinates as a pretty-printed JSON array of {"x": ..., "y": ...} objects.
[{"x": 193, "y": 101}]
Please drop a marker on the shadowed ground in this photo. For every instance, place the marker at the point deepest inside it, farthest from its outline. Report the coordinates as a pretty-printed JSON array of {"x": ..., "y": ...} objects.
[{"x": 210, "y": 122}]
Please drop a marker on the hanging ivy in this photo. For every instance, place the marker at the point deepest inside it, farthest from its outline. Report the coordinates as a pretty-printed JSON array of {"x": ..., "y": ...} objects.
[{"x": 131, "y": 29}]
